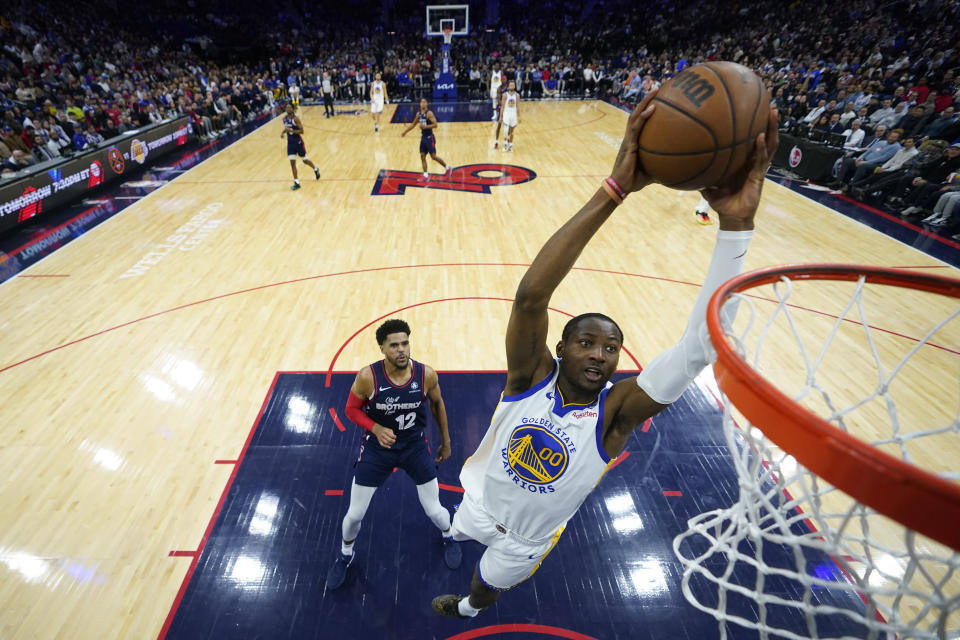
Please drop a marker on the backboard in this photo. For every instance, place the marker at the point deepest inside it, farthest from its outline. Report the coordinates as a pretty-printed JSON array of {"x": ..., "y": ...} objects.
[{"x": 453, "y": 16}]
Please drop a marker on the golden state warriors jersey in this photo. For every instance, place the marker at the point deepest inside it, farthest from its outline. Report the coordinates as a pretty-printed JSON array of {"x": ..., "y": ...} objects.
[
  {"x": 510, "y": 104},
  {"x": 377, "y": 89},
  {"x": 538, "y": 460}
]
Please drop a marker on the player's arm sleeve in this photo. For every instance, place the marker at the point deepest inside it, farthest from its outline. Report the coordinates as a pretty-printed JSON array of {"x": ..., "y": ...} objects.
[
  {"x": 671, "y": 372},
  {"x": 354, "y": 411}
]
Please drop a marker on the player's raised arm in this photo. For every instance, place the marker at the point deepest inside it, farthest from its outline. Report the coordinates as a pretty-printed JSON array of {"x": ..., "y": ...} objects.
[
  {"x": 664, "y": 380},
  {"x": 528, "y": 357}
]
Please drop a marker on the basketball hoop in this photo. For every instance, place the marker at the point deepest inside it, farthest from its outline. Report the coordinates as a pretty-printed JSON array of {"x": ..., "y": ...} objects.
[
  {"x": 447, "y": 35},
  {"x": 832, "y": 503}
]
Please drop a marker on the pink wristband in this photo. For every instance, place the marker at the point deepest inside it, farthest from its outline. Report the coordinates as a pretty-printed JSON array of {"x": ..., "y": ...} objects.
[{"x": 616, "y": 187}]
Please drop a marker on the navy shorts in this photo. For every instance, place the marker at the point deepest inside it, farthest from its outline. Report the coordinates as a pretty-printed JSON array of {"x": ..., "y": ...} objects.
[
  {"x": 428, "y": 144},
  {"x": 375, "y": 463},
  {"x": 295, "y": 146}
]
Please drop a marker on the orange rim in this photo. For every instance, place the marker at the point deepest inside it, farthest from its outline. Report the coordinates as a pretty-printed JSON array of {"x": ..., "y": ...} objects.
[{"x": 913, "y": 497}]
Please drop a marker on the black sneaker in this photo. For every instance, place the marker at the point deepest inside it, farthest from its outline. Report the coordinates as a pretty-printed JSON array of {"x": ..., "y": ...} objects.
[
  {"x": 446, "y": 605},
  {"x": 294, "y": 186},
  {"x": 337, "y": 573},
  {"x": 316, "y": 172},
  {"x": 452, "y": 554}
]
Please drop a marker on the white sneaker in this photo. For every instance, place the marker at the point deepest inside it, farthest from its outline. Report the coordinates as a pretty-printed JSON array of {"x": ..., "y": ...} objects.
[{"x": 426, "y": 175}]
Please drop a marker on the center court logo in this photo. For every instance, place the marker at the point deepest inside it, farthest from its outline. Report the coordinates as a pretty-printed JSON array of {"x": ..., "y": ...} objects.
[
  {"x": 471, "y": 178},
  {"x": 536, "y": 456}
]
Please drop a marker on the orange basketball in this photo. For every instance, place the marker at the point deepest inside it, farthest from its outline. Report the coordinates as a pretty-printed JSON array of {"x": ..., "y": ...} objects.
[{"x": 704, "y": 126}]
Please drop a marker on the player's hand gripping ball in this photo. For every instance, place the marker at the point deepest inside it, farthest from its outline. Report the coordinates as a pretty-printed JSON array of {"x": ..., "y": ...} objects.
[{"x": 705, "y": 124}]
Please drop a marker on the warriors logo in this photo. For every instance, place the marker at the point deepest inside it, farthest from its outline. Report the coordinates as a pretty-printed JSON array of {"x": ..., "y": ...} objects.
[{"x": 536, "y": 455}]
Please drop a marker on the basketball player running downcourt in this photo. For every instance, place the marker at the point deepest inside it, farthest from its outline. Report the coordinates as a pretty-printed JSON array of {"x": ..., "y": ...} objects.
[
  {"x": 560, "y": 422},
  {"x": 389, "y": 399},
  {"x": 293, "y": 129},
  {"x": 428, "y": 143}
]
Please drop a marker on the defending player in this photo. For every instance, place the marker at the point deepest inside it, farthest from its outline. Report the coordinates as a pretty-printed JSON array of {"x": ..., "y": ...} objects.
[
  {"x": 496, "y": 135},
  {"x": 389, "y": 399},
  {"x": 560, "y": 422},
  {"x": 293, "y": 129},
  {"x": 509, "y": 114},
  {"x": 428, "y": 143},
  {"x": 378, "y": 97}
]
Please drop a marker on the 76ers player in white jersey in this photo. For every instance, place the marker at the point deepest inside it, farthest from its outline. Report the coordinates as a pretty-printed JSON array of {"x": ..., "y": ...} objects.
[
  {"x": 560, "y": 421},
  {"x": 378, "y": 97}
]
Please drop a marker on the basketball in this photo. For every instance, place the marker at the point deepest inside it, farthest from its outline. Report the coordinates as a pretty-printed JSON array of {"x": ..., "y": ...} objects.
[{"x": 704, "y": 126}]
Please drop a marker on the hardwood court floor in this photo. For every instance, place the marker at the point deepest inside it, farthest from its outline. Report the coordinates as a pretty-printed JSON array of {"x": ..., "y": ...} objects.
[{"x": 124, "y": 382}]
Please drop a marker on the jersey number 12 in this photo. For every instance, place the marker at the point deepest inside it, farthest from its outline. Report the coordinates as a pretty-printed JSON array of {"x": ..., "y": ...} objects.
[{"x": 406, "y": 420}]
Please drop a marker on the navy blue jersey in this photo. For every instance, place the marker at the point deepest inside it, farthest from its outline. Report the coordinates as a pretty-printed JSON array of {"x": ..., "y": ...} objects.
[
  {"x": 295, "y": 146},
  {"x": 400, "y": 408},
  {"x": 424, "y": 122}
]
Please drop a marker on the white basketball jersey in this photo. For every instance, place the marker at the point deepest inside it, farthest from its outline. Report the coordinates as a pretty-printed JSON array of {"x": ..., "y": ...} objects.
[
  {"x": 495, "y": 80},
  {"x": 377, "y": 87},
  {"x": 538, "y": 460},
  {"x": 510, "y": 103}
]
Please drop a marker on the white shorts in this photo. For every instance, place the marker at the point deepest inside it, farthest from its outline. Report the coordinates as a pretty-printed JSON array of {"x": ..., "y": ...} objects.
[
  {"x": 376, "y": 106},
  {"x": 510, "y": 119},
  {"x": 508, "y": 559},
  {"x": 493, "y": 94}
]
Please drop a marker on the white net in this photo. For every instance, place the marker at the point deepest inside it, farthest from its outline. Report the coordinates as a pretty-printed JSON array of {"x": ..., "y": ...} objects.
[{"x": 795, "y": 557}]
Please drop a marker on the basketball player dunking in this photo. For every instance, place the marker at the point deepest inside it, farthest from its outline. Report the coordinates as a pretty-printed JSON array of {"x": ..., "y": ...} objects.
[
  {"x": 293, "y": 129},
  {"x": 390, "y": 399},
  {"x": 560, "y": 422},
  {"x": 428, "y": 143},
  {"x": 378, "y": 97},
  {"x": 509, "y": 114}
]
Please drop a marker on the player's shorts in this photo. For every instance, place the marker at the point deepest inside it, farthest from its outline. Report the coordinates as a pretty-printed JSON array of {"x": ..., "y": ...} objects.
[
  {"x": 428, "y": 144},
  {"x": 509, "y": 559},
  {"x": 510, "y": 119},
  {"x": 295, "y": 147},
  {"x": 375, "y": 463},
  {"x": 493, "y": 94},
  {"x": 376, "y": 106}
]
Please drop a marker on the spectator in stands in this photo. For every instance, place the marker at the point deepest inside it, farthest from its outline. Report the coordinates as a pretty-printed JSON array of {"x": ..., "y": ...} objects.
[
  {"x": 879, "y": 151},
  {"x": 944, "y": 127},
  {"x": 59, "y": 141},
  {"x": 914, "y": 122},
  {"x": 946, "y": 211},
  {"x": 885, "y": 110},
  {"x": 847, "y": 116},
  {"x": 854, "y": 136},
  {"x": 834, "y": 125},
  {"x": 79, "y": 141},
  {"x": 920, "y": 193},
  {"x": 42, "y": 151},
  {"x": 814, "y": 115},
  {"x": 18, "y": 160},
  {"x": 887, "y": 173}
]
